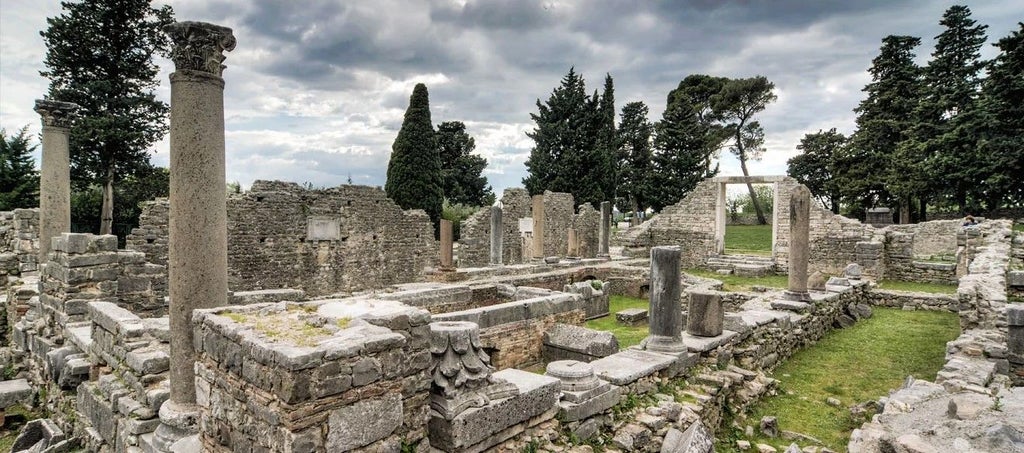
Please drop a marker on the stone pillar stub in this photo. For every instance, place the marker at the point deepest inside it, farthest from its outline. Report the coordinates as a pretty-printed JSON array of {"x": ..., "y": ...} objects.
[
  {"x": 573, "y": 250},
  {"x": 55, "y": 172},
  {"x": 497, "y": 232},
  {"x": 666, "y": 318},
  {"x": 1015, "y": 333},
  {"x": 447, "y": 243},
  {"x": 704, "y": 315},
  {"x": 197, "y": 249},
  {"x": 538, "y": 227},
  {"x": 605, "y": 229},
  {"x": 799, "y": 243}
]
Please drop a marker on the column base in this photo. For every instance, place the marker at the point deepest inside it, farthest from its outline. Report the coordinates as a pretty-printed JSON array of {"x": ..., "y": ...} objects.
[
  {"x": 604, "y": 256},
  {"x": 177, "y": 422},
  {"x": 797, "y": 296},
  {"x": 666, "y": 345}
]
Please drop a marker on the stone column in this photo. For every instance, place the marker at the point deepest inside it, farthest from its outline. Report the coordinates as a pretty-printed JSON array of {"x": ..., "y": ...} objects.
[
  {"x": 497, "y": 230},
  {"x": 1015, "y": 335},
  {"x": 538, "y": 227},
  {"x": 447, "y": 263},
  {"x": 605, "y": 230},
  {"x": 666, "y": 317},
  {"x": 573, "y": 250},
  {"x": 704, "y": 315},
  {"x": 799, "y": 243},
  {"x": 197, "y": 255},
  {"x": 55, "y": 172}
]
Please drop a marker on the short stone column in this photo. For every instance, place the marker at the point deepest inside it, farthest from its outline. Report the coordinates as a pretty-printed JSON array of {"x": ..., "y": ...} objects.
[
  {"x": 538, "y": 227},
  {"x": 799, "y": 243},
  {"x": 583, "y": 394},
  {"x": 447, "y": 243},
  {"x": 497, "y": 230},
  {"x": 704, "y": 315},
  {"x": 197, "y": 254},
  {"x": 605, "y": 230},
  {"x": 666, "y": 317},
  {"x": 573, "y": 250},
  {"x": 55, "y": 172}
]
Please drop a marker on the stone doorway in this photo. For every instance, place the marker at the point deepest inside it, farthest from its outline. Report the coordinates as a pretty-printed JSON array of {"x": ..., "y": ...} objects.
[{"x": 721, "y": 208}]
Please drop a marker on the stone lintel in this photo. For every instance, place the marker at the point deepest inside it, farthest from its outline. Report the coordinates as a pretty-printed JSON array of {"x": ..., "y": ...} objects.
[{"x": 754, "y": 179}]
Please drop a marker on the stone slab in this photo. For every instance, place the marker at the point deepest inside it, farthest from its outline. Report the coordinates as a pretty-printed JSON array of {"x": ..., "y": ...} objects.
[
  {"x": 696, "y": 439},
  {"x": 791, "y": 305},
  {"x": 581, "y": 340},
  {"x": 13, "y": 392},
  {"x": 537, "y": 394},
  {"x": 626, "y": 367},
  {"x": 631, "y": 316},
  {"x": 569, "y": 411},
  {"x": 1015, "y": 315},
  {"x": 703, "y": 344},
  {"x": 1015, "y": 278}
]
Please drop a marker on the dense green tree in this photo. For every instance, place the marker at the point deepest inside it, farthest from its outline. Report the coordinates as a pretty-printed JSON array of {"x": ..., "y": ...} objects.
[
  {"x": 884, "y": 119},
  {"x": 414, "y": 178},
  {"x": 461, "y": 171},
  {"x": 607, "y": 142},
  {"x": 815, "y": 166},
  {"x": 635, "y": 158},
  {"x": 948, "y": 120},
  {"x": 19, "y": 180},
  {"x": 687, "y": 139},
  {"x": 1003, "y": 142},
  {"x": 100, "y": 56},
  {"x": 738, "y": 101},
  {"x": 144, "y": 185},
  {"x": 565, "y": 156}
]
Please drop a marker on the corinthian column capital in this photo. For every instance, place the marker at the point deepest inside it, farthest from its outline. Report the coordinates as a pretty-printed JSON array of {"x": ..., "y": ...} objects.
[{"x": 200, "y": 46}]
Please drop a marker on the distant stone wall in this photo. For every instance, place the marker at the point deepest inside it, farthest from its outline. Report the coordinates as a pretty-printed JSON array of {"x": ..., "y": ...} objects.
[
  {"x": 324, "y": 241},
  {"x": 19, "y": 242},
  {"x": 689, "y": 223}
]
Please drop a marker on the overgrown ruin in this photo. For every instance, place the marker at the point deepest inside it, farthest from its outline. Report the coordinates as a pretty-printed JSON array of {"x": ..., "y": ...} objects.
[{"x": 338, "y": 329}]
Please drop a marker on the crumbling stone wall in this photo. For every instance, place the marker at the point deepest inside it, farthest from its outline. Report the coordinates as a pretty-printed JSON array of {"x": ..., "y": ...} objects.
[
  {"x": 587, "y": 223},
  {"x": 19, "y": 242},
  {"x": 559, "y": 211},
  {"x": 151, "y": 236},
  {"x": 361, "y": 239},
  {"x": 690, "y": 223}
]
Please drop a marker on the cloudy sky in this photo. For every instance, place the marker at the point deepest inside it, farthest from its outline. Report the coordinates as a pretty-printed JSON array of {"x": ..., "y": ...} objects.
[{"x": 316, "y": 89}]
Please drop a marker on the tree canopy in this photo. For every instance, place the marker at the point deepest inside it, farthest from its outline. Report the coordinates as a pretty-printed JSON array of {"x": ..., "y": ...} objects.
[
  {"x": 461, "y": 171},
  {"x": 414, "y": 179},
  {"x": 635, "y": 183},
  {"x": 100, "y": 56},
  {"x": 815, "y": 166},
  {"x": 738, "y": 102},
  {"x": 19, "y": 180}
]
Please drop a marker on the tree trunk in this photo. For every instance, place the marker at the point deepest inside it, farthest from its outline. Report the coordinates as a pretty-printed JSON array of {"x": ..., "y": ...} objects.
[
  {"x": 107, "y": 212},
  {"x": 923, "y": 210},
  {"x": 905, "y": 210},
  {"x": 753, "y": 196},
  {"x": 834, "y": 201}
]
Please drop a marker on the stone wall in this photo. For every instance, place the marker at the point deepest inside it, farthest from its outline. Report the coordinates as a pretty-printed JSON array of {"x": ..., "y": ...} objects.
[
  {"x": 19, "y": 243},
  {"x": 151, "y": 236},
  {"x": 689, "y": 223},
  {"x": 324, "y": 241}
]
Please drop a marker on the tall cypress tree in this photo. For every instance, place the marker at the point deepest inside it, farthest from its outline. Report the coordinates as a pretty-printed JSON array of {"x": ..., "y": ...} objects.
[
  {"x": 100, "y": 56},
  {"x": 948, "y": 117},
  {"x": 414, "y": 178},
  {"x": 607, "y": 144},
  {"x": 1003, "y": 136},
  {"x": 635, "y": 166}
]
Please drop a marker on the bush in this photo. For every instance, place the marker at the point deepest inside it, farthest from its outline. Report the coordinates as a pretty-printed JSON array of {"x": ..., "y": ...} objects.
[{"x": 456, "y": 213}]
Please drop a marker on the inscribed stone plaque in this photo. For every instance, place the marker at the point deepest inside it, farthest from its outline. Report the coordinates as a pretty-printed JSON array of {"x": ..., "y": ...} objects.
[
  {"x": 323, "y": 229},
  {"x": 526, "y": 225}
]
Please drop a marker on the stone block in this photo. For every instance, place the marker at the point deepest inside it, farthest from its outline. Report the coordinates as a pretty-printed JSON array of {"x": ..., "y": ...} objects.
[
  {"x": 15, "y": 391},
  {"x": 115, "y": 319},
  {"x": 705, "y": 315},
  {"x": 475, "y": 428},
  {"x": 696, "y": 439},
  {"x": 631, "y": 316},
  {"x": 1015, "y": 278},
  {"x": 148, "y": 361},
  {"x": 572, "y": 411},
  {"x": 363, "y": 422},
  {"x": 1015, "y": 315},
  {"x": 581, "y": 340},
  {"x": 627, "y": 366},
  {"x": 703, "y": 344}
]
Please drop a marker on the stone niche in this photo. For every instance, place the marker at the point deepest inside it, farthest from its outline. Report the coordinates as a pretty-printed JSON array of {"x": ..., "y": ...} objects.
[
  {"x": 321, "y": 241},
  {"x": 334, "y": 375}
]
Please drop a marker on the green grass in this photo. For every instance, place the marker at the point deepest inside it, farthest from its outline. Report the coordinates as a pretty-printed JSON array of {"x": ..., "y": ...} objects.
[
  {"x": 627, "y": 336},
  {"x": 748, "y": 240},
  {"x": 737, "y": 283},
  {"x": 854, "y": 365},
  {"x": 17, "y": 416},
  {"x": 1018, "y": 227},
  {"x": 934, "y": 288}
]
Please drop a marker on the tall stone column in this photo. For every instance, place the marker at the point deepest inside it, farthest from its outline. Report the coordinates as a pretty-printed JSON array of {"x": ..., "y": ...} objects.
[
  {"x": 538, "y": 227},
  {"x": 666, "y": 312},
  {"x": 799, "y": 243},
  {"x": 497, "y": 230},
  {"x": 197, "y": 255},
  {"x": 447, "y": 242},
  {"x": 55, "y": 172},
  {"x": 605, "y": 230}
]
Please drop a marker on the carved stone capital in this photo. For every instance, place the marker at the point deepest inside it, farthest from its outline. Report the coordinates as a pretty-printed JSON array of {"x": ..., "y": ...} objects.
[
  {"x": 200, "y": 46},
  {"x": 56, "y": 113},
  {"x": 461, "y": 370}
]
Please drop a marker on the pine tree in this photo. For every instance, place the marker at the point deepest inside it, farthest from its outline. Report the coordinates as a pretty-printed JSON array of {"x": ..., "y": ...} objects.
[
  {"x": 738, "y": 101},
  {"x": 815, "y": 167},
  {"x": 463, "y": 182},
  {"x": 948, "y": 117},
  {"x": 687, "y": 139},
  {"x": 1003, "y": 135},
  {"x": 635, "y": 159},
  {"x": 414, "y": 171},
  {"x": 19, "y": 180},
  {"x": 100, "y": 56},
  {"x": 565, "y": 156},
  {"x": 884, "y": 119}
]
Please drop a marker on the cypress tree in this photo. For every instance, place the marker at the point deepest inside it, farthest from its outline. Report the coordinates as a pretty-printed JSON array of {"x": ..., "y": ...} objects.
[
  {"x": 19, "y": 181},
  {"x": 635, "y": 166},
  {"x": 414, "y": 170}
]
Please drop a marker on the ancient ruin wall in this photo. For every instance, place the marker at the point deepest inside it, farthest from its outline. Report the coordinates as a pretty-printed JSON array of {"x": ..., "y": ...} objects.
[
  {"x": 19, "y": 242},
  {"x": 281, "y": 235},
  {"x": 689, "y": 223}
]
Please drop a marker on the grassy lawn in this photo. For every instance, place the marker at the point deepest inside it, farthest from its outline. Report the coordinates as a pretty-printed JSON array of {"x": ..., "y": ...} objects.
[
  {"x": 917, "y": 287},
  {"x": 748, "y": 240},
  {"x": 853, "y": 365},
  {"x": 627, "y": 336},
  {"x": 736, "y": 283}
]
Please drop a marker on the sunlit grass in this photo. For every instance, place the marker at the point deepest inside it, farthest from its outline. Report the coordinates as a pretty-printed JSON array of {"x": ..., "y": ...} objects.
[
  {"x": 748, "y": 240},
  {"x": 935, "y": 288},
  {"x": 627, "y": 336},
  {"x": 737, "y": 283}
]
